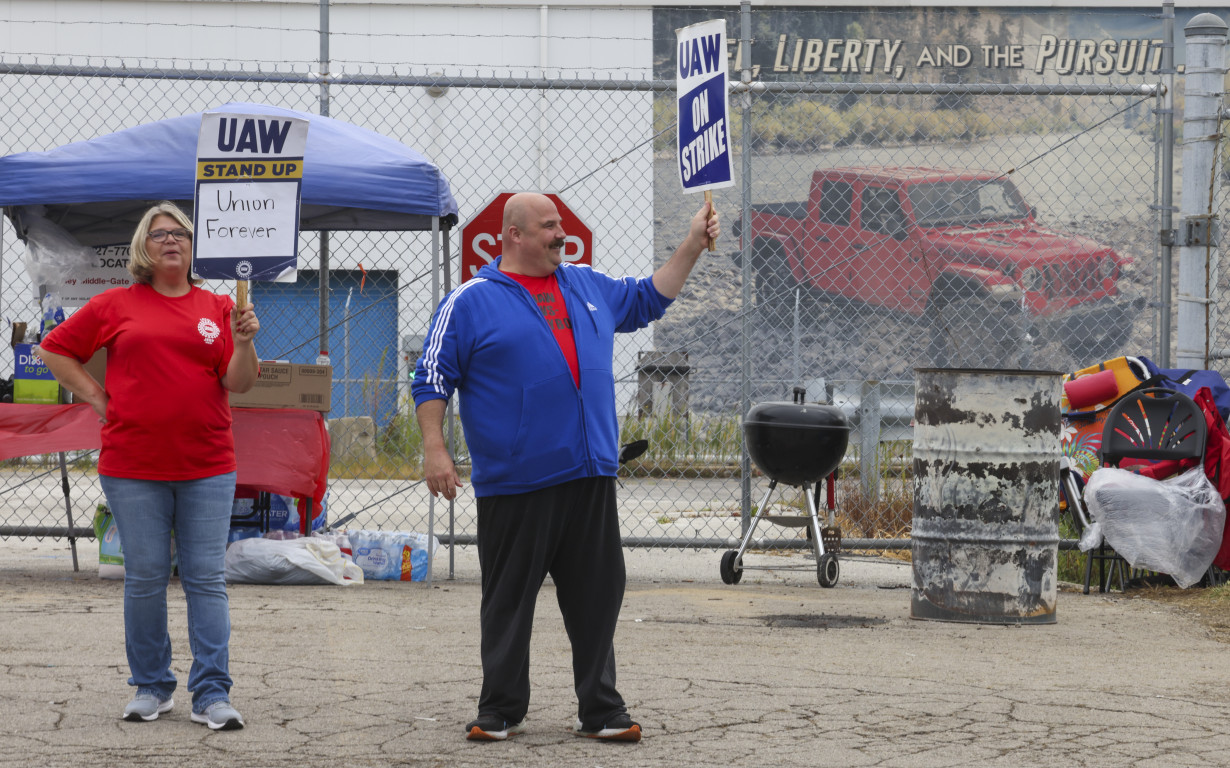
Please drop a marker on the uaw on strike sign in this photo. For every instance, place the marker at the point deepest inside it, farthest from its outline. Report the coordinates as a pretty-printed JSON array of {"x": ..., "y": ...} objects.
[
  {"x": 704, "y": 115},
  {"x": 249, "y": 178}
]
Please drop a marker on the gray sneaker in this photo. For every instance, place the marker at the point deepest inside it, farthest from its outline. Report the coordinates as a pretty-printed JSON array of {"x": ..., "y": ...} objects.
[
  {"x": 146, "y": 706},
  {"x": 219, "y": 716}
]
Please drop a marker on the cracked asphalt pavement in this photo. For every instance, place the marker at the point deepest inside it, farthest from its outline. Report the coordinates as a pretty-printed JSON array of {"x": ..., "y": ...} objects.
[{"x": 775, "y": 671}]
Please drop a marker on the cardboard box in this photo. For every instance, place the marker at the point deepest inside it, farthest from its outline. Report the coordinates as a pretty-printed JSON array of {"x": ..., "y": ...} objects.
[
  {"x": 32, "y": 379},
  {"x": 96, "y": 366},
  {"x": 289, "y": 385}
]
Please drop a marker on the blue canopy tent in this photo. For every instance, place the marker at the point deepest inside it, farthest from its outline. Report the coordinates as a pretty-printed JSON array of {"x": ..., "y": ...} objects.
[{"x": 354, "y": 179}]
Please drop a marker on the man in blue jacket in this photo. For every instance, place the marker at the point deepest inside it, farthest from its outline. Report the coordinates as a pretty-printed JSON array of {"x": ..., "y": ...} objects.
[{"x": 527, "y": 344}]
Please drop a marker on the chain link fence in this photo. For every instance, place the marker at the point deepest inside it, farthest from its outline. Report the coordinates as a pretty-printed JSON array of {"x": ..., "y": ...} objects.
[
  {"x": 891, "y": 225},
  {"x": 1219, "y": 259}
]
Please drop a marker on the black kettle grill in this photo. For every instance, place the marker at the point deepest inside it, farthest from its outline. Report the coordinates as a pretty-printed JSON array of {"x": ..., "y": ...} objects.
[{"x": 797, "y": 444}]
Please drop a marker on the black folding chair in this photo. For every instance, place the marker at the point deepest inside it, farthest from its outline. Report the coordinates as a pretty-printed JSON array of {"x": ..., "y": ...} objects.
[{"x": 1154, "y": 424}]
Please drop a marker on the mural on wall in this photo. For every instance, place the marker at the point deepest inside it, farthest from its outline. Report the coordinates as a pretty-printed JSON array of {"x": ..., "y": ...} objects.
[
  {"x": 1057, "y": 271},
  {"x": 937, "y": 44}
]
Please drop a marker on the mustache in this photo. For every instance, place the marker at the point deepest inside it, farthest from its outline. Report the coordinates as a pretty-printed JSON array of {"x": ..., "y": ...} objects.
[{"x": 558, "y": 243}]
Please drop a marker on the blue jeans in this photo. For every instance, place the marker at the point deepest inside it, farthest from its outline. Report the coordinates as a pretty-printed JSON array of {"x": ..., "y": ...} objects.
[{"x": 199, "y": 512}]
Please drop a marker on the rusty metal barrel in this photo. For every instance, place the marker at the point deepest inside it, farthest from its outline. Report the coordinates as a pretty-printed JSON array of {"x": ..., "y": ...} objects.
[{"x": 985, "y": 533}]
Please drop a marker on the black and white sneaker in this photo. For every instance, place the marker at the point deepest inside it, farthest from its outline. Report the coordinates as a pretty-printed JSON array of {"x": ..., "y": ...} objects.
[
  {"x": 618, "y": 728},
  {"x": 493, "y": 728}
]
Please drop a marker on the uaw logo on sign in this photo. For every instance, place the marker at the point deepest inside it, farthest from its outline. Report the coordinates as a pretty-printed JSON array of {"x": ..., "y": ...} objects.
[
  {"x": 704, "y": 116},
  {"x": 249, "y": 180}
]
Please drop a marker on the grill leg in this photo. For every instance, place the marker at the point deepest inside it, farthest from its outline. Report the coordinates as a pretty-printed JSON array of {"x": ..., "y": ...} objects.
[
  {"x": 817, "y": 539},
  {"x": 751, "y": 528}
]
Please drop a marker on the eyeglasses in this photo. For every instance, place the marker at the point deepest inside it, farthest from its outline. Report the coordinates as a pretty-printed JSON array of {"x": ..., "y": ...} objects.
[{"x": 160, "y": 235}]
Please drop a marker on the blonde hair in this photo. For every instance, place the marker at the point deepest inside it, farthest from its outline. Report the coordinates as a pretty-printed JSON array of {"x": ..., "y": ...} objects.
[{"x": 139, "y": 263}]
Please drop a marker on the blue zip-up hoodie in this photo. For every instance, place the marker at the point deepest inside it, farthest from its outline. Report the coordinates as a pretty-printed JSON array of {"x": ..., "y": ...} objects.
[{"x": 527, "y": 425}]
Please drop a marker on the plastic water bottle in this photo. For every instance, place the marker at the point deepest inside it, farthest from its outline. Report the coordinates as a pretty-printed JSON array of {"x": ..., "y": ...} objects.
[{"x": 53, "y": 314}]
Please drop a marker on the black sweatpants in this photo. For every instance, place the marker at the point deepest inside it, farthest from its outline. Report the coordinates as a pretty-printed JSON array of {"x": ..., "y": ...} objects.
[{"x": 570, "y": 531}]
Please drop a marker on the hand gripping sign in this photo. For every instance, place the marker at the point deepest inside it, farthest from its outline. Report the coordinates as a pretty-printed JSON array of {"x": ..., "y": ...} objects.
[
  {"x": 249, "y": 178},
  {"x": 704, "y": 116}
]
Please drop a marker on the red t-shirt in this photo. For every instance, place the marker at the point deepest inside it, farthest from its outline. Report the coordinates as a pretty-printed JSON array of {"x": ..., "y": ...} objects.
[
  {"x": 168, "y": 417},
  {"x": 545, "y": 291}
]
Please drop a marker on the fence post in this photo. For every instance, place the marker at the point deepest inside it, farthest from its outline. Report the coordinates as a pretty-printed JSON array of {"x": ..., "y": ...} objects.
[
  {"x": 869, "y": 432},
  {"x": 745, "y": 215},
  {"x": 1206, "y": 67},
  {"x": 1166, "y": 239}
]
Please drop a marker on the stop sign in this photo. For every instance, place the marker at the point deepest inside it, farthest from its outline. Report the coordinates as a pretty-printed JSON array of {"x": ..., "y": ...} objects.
[{"x": 480, "y": 237}]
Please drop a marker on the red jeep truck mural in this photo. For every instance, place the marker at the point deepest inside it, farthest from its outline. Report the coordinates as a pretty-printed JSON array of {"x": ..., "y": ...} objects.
[{"x": 960, "y": 248}]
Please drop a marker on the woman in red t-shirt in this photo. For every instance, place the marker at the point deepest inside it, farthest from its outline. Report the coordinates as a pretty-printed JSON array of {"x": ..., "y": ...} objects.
[{"x": 167, "y": 464}]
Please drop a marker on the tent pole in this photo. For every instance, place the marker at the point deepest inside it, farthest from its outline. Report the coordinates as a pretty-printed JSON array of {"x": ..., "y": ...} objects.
[
  {"x": 68, "y": 510},
  {"x": 2, "y": 218},
  {"x": 452, "y": 437},
  {"x": 323, "y": 358},
  {"x": 431, "y": 507}
]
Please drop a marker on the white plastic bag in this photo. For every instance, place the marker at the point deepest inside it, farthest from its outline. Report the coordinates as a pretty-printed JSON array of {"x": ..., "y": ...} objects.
[
  {"x": 1091, "y": 538},
  {"x": 52, "y": 254},
  {"x": 306, "y": 560},
  {"x": 1171, "y": 526},
  {"x": 340, "y": 539}
]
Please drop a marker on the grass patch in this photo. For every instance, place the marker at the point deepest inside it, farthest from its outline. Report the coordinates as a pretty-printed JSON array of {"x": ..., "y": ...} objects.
[{"x": 690, "y": 445}]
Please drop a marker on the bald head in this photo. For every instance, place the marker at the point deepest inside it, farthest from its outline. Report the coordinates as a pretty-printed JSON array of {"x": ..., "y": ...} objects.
[
  {"x": 517, "y": 211},
  {"x": 532, "y": 235}
]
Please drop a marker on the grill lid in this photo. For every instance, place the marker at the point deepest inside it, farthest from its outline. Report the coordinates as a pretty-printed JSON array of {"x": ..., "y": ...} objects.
[
  {"x": 796, "y": 443},
  {"x": 797, "y": 414}
]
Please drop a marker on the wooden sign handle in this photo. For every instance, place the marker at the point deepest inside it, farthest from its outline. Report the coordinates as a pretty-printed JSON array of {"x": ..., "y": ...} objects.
[
  {"x": 709, "y": 200},
  {"x": 242, "y": 294}
]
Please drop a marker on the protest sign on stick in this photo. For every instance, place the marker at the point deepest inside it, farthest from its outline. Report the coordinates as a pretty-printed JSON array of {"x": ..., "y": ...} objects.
[
  {"x": 249, "y": 179},
  {"x": 703, "y": 135}
]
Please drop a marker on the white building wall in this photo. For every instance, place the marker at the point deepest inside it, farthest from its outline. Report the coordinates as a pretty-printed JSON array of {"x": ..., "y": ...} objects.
[{"x": 485, "y": 141}]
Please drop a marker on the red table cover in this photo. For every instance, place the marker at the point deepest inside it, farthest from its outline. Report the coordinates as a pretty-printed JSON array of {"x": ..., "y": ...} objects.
[{"x": 278, "y": 450}]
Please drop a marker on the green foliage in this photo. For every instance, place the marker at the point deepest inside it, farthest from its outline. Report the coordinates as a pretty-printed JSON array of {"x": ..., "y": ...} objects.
[
  {"x": 1071, "y": 562},
  {"x": 399, "y": 450},
  {"x": 1035, "y": 124},
  {"x": 804, "y": 124},
  {"x": 402, "y": 438},
  {"x": 685, "y": 446},
  {"x": 809, "y": 125},
  {"x": 980, "y": 125},
  {"x": 768, "y": 128},
  {"x": 897, "y": 125},
  {"x": 664, "y": 120},
  {"x": 941, "y": 125}
]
